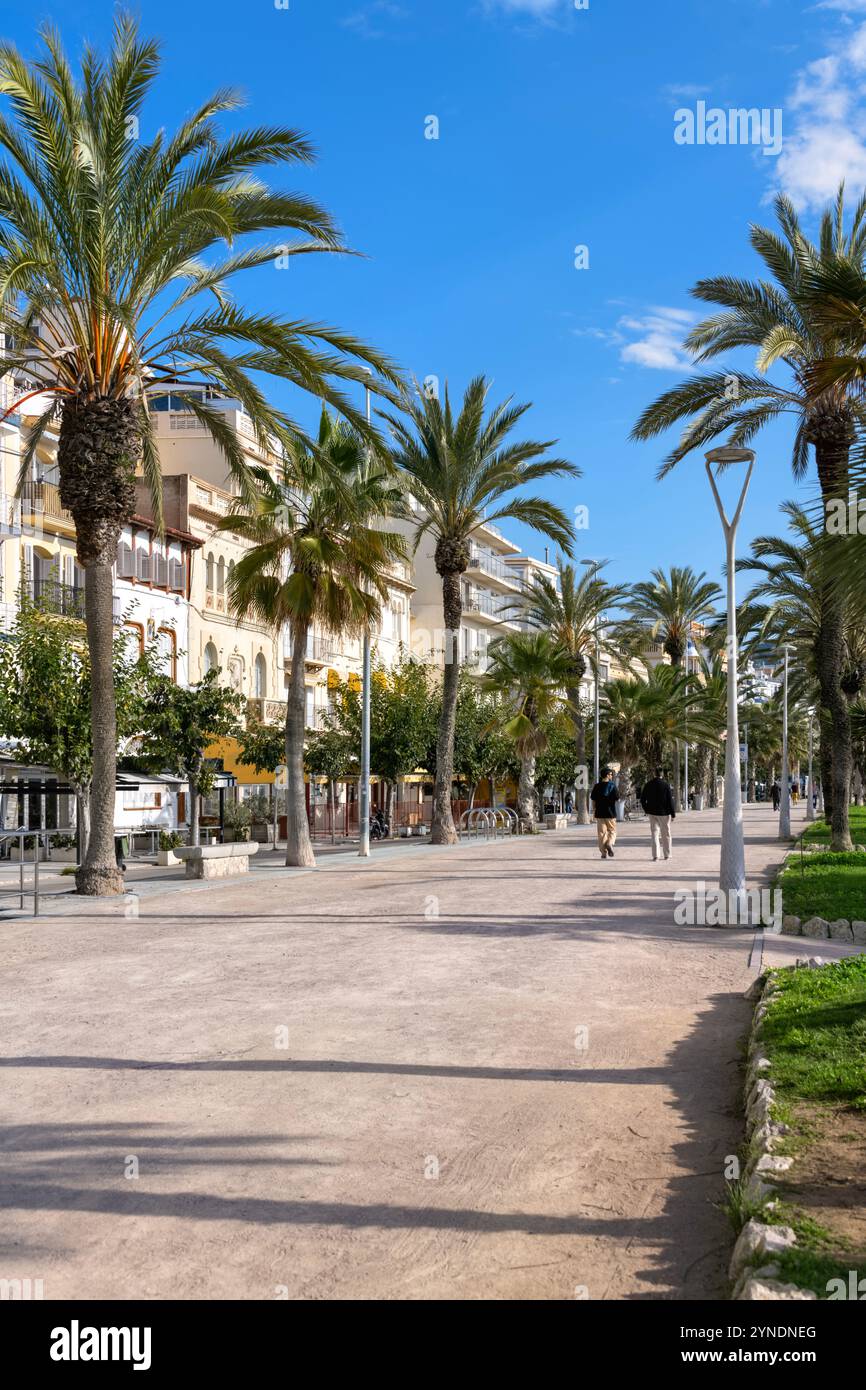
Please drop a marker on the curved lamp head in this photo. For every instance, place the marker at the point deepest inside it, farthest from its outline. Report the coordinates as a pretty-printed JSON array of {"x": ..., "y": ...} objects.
[{"x": 730, "y": 453}]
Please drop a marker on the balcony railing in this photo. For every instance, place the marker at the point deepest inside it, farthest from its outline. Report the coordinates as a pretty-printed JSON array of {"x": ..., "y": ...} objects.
[
  {"x": 66, "y": 600},
  {"x": 491, "y": 564},
  {"x": 479, "y": 602},
  {"x": 43, "y": 499}
]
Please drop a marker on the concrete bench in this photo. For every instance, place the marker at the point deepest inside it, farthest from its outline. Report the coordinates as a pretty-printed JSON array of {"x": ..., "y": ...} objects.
[
  {"x": 217, "y": 861},
  {"x": 556, "y": 820}
]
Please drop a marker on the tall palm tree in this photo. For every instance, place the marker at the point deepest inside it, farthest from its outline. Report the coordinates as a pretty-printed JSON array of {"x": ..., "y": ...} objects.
[
  {"x": 787, "y": 604},
  {"x": 788, "y": 319},
  {"x": 464, "y": 472},
  {"x": 530, "y": 670},
  {"x": 115, "y": 258},
  {"x": 666, "y": 606},
  {"x": 319, "y": 555},
  {"x": 569, "y": 610},
  {"x": 643, "y": 718}
]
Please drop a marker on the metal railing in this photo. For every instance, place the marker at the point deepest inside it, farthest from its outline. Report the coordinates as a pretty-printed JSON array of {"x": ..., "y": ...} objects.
[{"x": 40, "y": 838}]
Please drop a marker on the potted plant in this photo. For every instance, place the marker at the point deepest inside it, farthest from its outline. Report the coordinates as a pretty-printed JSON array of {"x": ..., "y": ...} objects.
[
  {"x": 238, "y": 821},
  {"x": 261, "y": 813},
  {"x": 169, "y": 840}
]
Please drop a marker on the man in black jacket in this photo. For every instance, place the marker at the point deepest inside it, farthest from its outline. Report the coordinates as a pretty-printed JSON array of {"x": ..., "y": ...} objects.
[
  {"x": 604, "y": 796},
  {"x": 657, "y": 799}
]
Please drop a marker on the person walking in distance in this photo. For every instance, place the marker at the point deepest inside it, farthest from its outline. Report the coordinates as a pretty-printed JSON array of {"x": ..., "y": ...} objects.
[
  {"x": 657, "y": 799},
  {"x": 604, "y": 796},
  {"x": 776, "y": 794}
]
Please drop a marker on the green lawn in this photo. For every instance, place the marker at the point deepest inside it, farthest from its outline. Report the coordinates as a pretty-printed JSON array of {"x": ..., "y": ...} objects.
[
  {"x": 825, "y": 885},
  {"x": 819, "y": 831},
  {"x": 814, "y": 1034}
]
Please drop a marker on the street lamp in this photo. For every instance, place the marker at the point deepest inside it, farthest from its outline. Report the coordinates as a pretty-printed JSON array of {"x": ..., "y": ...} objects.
[
  {"x": 810, "y": 805},
  {"x": 732, "y": 862},
  {"x": 785, "y": 809},
  {"x": 364, "y": 807},
  {"x": 595, "y": 746}
]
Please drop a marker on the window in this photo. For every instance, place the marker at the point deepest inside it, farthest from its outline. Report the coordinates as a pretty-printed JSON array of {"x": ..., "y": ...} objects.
[
  {"x": 125, "y": 566},
  {"x": 136, "y": 632},
  {"x": 310, "y": 707},
  {"x": 142, "y": 799},
  {"x": 159, "y": 568},
  {"x": 209, "y": 573},
  {"x": 211, "y": 659},
  {"x": 166, "y": 644},
  {"x": 221, "y": 577},
  {"x": 260, "y": 677}
]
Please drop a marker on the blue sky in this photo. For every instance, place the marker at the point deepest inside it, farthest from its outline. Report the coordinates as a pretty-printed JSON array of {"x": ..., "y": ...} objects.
[{"x": 556, "y": 129}]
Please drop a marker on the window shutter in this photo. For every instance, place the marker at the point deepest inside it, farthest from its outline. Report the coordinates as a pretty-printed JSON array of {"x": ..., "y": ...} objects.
[
  {"x": 160, "y": 570},
  {"x": 175, "y": 569},
  {"x": 124, "y": 561},
  {"x": 142, "y": 564}
]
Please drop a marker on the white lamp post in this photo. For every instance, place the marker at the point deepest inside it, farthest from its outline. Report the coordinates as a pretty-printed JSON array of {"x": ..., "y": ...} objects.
[
  {"x": 785, "y": 808},
  {"x": 732, "y": 862},
  {"x": 810, "y": 807},
  {"x": 364, "y": 807},
  {"x": 746, "y": 765},
  {"x": 595, "y": 742}
]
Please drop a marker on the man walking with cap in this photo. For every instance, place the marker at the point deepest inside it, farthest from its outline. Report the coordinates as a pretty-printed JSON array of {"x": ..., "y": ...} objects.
[{"x": 604, "y": 797}]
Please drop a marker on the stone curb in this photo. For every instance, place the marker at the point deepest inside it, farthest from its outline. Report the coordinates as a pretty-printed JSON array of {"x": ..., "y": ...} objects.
[
  {"x": 818, "y": 927},
  {"x": 757, "y": 1237}
]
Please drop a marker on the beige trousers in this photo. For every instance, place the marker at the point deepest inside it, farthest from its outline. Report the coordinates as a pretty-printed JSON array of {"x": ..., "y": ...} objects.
[
  {"x": 606, "y": 831},
  {"x": 660, "y": 830}
]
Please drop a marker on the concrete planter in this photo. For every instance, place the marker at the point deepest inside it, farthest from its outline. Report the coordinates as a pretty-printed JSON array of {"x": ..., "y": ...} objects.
[
  {"x": 556, "y": 821},
  {"x": 167, "y": 858}
]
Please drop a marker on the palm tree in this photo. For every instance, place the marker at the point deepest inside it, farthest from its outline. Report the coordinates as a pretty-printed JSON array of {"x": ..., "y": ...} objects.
[
  {"x": 319, "y": 555},
  {"x": 459, "y": 469},
  {"x": 530, "y": 670},
  {"x": 787, "y": 605},
  {"x": 569, "y": 609},
  {"x": 643, "y": 718},
  {"x": 665, "y": 607},
  {"x": 788, "y": 319},
  {"x": 106, "y": 300}
]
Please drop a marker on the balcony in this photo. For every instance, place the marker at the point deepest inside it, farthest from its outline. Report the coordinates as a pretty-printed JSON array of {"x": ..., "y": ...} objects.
[
  {"x": 43, "y": 499},
  {"x": 65, "y": 600},
  {"x": 488, "y": 563},
  {"x": 490, "y": 605},
  {"x": 266, "y": 711}
]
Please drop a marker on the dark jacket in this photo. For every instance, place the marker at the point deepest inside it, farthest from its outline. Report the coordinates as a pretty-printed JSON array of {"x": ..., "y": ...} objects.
[
  {"x": 604, "y": 797},
  {"x": 657, "y": 799}
]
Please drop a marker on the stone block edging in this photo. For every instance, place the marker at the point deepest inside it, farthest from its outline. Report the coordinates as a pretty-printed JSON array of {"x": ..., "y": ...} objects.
[{"x": 757, "y": 1238}]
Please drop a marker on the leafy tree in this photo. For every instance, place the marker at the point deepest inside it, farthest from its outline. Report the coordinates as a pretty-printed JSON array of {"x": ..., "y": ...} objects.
[
  {"x": 319, "y": 556},
  {"x": 180, "y": 723},
  {"x": 263, "y": 747},
  {"x": 464, "y": 471},
  {"x": 401, "y": 712},
  {"x": 556, "y": 763},
  {"x": 529, "y": 670},
  {"x": 333, "y": 754},
  {"x": 45, "y": 694},
  {"x": 108, "y": 298}
]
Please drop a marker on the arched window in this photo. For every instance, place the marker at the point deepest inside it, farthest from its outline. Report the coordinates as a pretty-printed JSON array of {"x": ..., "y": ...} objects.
[
  {"x": 209, "y": 574},
  {"x": 221, "y": 577},
  {"x": 260, "y": 677},
  {"x": 166, "y": 643},
  {"x": 211, "y": 659}
]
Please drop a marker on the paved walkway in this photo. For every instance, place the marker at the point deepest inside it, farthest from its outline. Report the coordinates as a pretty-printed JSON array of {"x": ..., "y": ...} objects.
[{"x": 498, "y": 1071}]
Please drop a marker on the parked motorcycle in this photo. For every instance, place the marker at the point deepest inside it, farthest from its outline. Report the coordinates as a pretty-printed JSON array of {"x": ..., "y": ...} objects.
[{"x": 379, "y": 827}]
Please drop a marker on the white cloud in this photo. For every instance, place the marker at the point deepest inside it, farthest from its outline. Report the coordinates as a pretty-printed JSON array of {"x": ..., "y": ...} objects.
[
  {"x": 539, "y": 8},
  {"x": 651, "y": 338},
  {"x": 824, "y": 123},
  {"x": 658, "y": 341}
]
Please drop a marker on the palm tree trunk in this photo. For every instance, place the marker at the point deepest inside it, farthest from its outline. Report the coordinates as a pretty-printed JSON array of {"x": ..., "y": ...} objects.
[
  {"x": 526, "y": 790},
  {"x": 623, "y": 781},
  {"x": 97, "y": 452},
  {"x": 332, "y": 802},
  {"x": 99, "y": 874},
  {"x": 299, "y": 846},
  {"x": 443, "y": 829},
  {"x": 580, "y": 751},
  {"x": 832, "y": 442}
]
